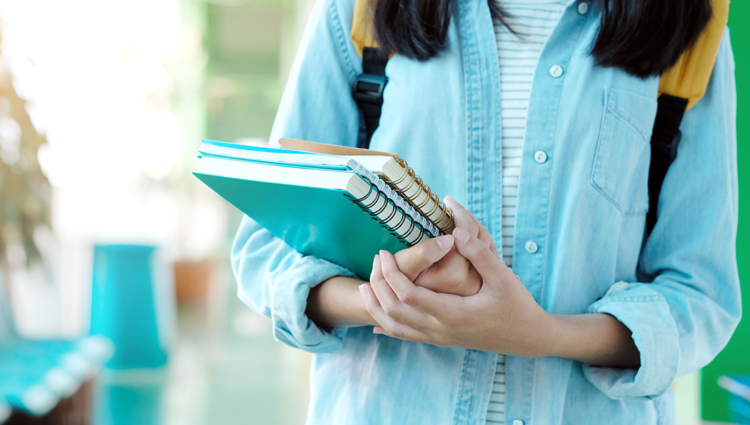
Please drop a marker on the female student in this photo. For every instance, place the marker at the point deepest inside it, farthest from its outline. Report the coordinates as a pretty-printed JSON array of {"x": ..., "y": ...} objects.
[{"x": 535, "y": 117}]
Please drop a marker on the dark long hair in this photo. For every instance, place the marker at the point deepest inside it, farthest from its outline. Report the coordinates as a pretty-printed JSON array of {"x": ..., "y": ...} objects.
[{"x": 641, "y": 37}]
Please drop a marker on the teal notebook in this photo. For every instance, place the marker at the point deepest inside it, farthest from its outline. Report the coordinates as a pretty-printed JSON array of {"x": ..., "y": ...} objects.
[{"x": 327, "y": 212}]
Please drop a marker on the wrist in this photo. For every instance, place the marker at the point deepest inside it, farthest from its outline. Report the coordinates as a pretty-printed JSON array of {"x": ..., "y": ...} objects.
[
  {"x": 597, "y": 338},
  {"x": 533, "y": 336},
  {"x": 572, "y": 337},
  {"x": 547, "y": 330},
  {"x": 337, "y": 303},
  {"x": 560, "y": 336}
]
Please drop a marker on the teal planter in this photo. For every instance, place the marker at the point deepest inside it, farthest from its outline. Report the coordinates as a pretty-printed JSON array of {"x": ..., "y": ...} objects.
[{"x": 124, "y": 305}]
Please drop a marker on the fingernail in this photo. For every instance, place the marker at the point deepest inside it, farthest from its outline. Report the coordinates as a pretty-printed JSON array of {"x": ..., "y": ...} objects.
[
  {"x": 444, "y": 242},
  {"x": 377, "y": 331},
  {"x": 362, "y": 290},
  {"x": 461, "y": 235},
  {"x": 448, "y": 199}
]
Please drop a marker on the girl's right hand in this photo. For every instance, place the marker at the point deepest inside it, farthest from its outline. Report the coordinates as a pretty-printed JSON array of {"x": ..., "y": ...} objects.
[{"x": 435, "y": 264}]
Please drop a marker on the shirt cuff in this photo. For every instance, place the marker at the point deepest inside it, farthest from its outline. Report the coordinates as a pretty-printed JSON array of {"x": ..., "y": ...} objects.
[
  {"x": 646, "y": 313},
  {"x": 289, "y": 302}
]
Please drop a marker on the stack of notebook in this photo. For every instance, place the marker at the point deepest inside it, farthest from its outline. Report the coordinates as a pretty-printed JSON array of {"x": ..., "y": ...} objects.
[{"x": 336, "y": 203}]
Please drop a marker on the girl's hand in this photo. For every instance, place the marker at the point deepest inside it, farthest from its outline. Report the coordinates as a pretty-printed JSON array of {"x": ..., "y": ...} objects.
[
  {"x": 436, "y": 264},
  {"x": 453, "y": 274},
  {"x": 502, "y": 317}
]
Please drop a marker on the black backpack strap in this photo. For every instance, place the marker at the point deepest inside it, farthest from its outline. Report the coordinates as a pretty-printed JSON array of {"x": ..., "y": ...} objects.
[
  {"x": 368, "y": 93},
  {"x": 664, "y": 141}
]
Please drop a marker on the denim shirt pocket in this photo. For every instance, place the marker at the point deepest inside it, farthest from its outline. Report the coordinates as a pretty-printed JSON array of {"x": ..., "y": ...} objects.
[{"x": 621, "y": 161}]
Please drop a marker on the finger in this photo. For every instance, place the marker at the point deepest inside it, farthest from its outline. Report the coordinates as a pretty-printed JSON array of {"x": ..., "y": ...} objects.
[
  {"x": 392, "y": 305},
  {"x": 461, "y": 216},
  {"x": 388, "y": 325},
  {"x": 429, "y": 303},
  {"x": 414, "y": 260},
  {"x": 454, "y": 274},
  {"x": 486, "y": 261},
  {"x": 382, "y": 290},
  {"x": 484, "y": 235},
  {"x": 481, "y": 231}
]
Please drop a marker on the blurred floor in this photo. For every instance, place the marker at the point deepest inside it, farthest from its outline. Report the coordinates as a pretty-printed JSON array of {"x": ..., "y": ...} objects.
[{"x": 225, "y": 369}]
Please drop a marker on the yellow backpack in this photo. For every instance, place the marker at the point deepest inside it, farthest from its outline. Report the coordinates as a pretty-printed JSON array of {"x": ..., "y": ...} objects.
[{"x": 680, "y": 88}]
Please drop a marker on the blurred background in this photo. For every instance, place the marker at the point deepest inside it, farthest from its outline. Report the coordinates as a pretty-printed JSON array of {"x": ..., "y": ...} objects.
[{"x": 102, "y": 108}]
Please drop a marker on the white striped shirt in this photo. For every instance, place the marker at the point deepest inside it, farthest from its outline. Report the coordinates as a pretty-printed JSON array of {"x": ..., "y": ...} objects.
[{"x": 533, "y": 21}]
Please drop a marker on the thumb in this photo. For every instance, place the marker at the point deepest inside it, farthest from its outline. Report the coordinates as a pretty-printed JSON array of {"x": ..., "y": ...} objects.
[
  {"x": 477, "y": 252},
  {"x": 413, "y": 260}
]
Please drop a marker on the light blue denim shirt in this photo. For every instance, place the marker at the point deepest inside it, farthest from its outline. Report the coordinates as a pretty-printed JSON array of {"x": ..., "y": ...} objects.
[{"x": 584, "y": 208}]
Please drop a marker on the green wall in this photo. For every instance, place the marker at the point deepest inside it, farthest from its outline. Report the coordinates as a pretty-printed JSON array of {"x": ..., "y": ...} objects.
[
  {"x": 735, "y": 359},
  {"x": 244, "y": 41}
]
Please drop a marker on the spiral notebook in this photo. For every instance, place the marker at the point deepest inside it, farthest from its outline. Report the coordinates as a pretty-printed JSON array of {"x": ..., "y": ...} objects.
[{"x": 342, "y": 208}]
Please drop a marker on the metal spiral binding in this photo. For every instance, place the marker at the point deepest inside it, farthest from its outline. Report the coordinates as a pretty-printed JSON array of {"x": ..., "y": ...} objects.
[
  {"x": 385, "y": 223},
  {"x": 409, "y": 172}
]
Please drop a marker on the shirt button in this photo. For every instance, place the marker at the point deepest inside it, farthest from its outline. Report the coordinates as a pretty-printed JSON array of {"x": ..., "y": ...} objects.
[
  {"x": 531, "y": 247},
  {"x": 517, "y": 422},
  {"x": 540, "y": 157},
  {"x": 583, "y": 7},
  {"x": 556, "y": 71}
]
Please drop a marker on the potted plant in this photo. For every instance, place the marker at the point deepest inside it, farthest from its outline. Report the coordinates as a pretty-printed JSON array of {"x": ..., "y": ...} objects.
[{"x": 24, "y": 190}]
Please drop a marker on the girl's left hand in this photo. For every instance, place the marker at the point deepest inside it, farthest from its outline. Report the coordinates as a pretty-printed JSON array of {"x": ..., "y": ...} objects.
[{"x": 502, "y": 317}]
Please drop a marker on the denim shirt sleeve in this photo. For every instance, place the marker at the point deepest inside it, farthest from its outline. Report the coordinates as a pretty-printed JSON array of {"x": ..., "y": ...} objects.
[
  {"x": 272, "y": 277},
  {"x": 275, "y": 280},
  {"x": 686, "y": 315}
]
